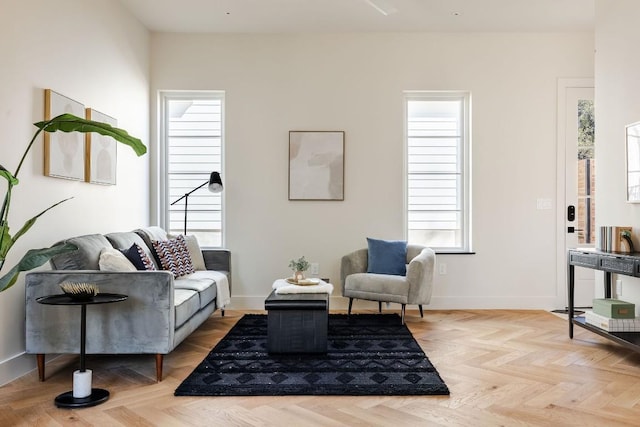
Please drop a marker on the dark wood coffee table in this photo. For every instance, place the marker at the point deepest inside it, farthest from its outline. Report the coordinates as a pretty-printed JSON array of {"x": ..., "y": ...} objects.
[{"x": 297, "y": 323}]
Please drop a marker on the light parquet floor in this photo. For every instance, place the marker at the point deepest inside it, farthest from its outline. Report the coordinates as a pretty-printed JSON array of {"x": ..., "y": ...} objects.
[{"x": 503, "y": 368}]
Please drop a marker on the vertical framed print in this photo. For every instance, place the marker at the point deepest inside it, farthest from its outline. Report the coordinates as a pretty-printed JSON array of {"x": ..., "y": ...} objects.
[
  {"x": 316, "y": 165},
  {"x": 64, "y": 152},
  {"x": 633, "y": 162},
  {"x": 101, "y": 152}
]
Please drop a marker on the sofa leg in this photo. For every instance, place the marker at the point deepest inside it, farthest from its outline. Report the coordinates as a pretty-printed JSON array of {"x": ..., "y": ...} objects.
[
  {"x": 379, "y": 306},
  {"x": 222, "y": 310},
  {"x": 159, "y": 359},
  {"x": 421, "y": 313},
  {"x": 403, "y": 307},
  {"x": 40, "y": 363},
  {"x": 350, "y": 304}
]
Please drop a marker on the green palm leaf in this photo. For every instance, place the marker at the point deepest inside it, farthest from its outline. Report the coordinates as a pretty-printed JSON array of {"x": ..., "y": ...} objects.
[
  {"x": 70, "y": 123},
  {"x": 32, "y": 259},
  {"x": 27, "y": 225}
]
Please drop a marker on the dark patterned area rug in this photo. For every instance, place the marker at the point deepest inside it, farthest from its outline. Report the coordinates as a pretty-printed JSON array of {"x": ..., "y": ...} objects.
[{"x": 368, "y": 354}]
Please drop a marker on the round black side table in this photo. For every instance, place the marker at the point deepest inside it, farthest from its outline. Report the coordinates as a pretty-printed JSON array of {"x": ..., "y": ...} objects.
[{"x": 98, "y": 395}]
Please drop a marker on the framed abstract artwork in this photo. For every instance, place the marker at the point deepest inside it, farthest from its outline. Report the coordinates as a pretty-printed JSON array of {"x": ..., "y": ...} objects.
[
  {"x": 316, "y": 165},
  {"x": 63, "y": 152},
  {"x": 633, "y": 162},
  {"x": 101, "y": 152}
]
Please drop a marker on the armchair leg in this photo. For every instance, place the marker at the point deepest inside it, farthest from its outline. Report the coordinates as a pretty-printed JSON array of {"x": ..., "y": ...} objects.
[
  {"x": 421, "y": 313},
  {"x": 350, "y": 304},
  {"x": 222, "y": 311},
  {"x": 403, "y": 307},
  {"x": 379, "y": 306},
  {"x": 40, "y": 363}
]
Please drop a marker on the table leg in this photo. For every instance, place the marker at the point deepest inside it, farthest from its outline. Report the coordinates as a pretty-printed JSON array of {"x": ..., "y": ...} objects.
[
  {"x": 98, "y": 395},
  {"x": 571, "y": 296},
  {"x": 607, "y": 284},
  {"x": 83, "y": 335}
]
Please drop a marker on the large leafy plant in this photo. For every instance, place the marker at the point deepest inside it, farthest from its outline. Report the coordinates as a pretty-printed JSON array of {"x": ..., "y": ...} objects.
[{"x": 36, "y": 257}]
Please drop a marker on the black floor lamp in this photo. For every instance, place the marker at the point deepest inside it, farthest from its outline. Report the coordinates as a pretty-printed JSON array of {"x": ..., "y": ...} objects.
[{"x": 215, "y": 186}]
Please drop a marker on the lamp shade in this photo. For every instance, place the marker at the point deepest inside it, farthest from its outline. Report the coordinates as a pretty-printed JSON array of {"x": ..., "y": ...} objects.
[{"x": 215, "y": 183}]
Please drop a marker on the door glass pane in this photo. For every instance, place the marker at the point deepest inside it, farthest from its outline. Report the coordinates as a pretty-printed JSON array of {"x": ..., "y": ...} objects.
[{"x": 586, "y": 173}]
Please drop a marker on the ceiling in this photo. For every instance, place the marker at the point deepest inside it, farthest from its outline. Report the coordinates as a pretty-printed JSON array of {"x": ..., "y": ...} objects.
[{"x": 317, "y": 16}]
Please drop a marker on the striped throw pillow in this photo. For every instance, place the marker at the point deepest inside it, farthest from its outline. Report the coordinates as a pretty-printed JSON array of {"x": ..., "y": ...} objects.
[{"x": 174, "y": 256}]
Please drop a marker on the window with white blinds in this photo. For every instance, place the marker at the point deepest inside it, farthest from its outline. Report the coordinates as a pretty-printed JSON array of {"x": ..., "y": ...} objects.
[
  {"x": 193, "y": 143},
  {"x": 438, "y": 170}
]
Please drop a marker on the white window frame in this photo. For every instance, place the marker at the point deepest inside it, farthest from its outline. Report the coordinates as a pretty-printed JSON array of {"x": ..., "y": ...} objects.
[
  {"x": 464, "y": 159},
  {"x": 163, "y": 181}
]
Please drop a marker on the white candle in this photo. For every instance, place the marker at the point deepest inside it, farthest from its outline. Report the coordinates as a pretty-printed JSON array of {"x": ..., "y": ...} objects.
[{"x": 82, "y": 383}]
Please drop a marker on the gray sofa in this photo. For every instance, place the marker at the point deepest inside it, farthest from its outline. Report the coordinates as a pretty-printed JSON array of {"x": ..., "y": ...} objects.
[{"x": 159, "y": 313}]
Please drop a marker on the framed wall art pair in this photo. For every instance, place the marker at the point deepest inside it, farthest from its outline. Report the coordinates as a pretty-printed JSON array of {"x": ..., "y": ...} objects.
[{"x": 89, "y": 157}]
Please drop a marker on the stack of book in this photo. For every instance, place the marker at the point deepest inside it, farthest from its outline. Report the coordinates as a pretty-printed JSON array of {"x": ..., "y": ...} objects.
[
  {"x": 613, "y": 315},
  {"x": 612, "y": 239}
]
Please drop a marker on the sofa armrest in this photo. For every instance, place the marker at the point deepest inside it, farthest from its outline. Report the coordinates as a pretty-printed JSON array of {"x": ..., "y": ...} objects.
[
  {"x": 420, "y": 273},
  {"x": 354, "y": 262},
  {"x": 217, "y": 259},
  {"x": 144, "y": 323}
]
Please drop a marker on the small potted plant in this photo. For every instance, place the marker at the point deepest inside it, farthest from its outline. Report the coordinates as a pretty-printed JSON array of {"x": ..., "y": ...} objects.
[{"x": 299, "y": 266}]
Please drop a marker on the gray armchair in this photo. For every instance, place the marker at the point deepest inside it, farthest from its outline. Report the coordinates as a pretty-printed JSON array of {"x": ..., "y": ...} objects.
[{"x": 414, "y": 288}]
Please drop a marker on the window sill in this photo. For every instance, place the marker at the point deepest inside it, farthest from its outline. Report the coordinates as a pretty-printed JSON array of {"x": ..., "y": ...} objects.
[{"x": 455, "y": 252}]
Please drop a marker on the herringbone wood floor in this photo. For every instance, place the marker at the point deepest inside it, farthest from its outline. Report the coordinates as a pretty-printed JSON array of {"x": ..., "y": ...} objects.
[{"x": 503, "y": 367}]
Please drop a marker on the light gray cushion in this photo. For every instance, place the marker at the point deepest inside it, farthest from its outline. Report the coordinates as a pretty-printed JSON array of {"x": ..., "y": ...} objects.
[
  {"x": 87, "y": 257},
  {"x": 187, "y": 304},
  {"x": 205, "y": 287},
  {"x": 377, "y": 287}
]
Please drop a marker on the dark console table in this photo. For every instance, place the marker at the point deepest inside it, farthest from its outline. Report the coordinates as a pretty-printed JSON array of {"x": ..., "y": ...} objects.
[
  {"x": 98, "y": 395},
  {"x": 609, "y": 262}
]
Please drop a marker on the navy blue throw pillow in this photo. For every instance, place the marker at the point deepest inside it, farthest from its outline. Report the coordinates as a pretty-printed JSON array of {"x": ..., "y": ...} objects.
[
  {"x": 138, "y": 257},
  {"x": 387, "y": 257}
]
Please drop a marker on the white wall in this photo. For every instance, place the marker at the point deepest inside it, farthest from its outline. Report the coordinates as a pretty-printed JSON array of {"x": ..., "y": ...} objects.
[
  {"x": 95, "y": 53},
  {"x": 616, "y": 105},
  {"x": 354, "y": 82}
]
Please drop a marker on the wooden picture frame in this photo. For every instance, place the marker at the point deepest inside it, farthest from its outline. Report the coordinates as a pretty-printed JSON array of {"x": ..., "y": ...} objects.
[
  {"x": 64, "y": 152},
  {"x": 101, "y": 152},
  {"x": 633, "y": 162},
  {"x": 316, "y": 165}
]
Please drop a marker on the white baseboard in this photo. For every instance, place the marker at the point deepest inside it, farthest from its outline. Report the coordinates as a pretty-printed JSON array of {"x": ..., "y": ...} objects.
[
  {"x": 16, "y": 367},
  {"x": 437, "y": 303}
]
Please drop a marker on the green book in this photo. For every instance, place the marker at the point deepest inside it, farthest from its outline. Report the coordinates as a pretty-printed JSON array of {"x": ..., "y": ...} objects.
[{"x": 614, "y": 309}]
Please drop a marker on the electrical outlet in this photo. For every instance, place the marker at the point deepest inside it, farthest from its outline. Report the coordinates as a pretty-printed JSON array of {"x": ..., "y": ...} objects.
[
  {"x": 315, "y": 268},
  {"x": 619, "y": 288},
  {"x": 442, "y": 268}
]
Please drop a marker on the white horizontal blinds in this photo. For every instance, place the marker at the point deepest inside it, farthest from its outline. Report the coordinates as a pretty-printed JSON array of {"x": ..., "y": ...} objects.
[
  {"x": 194, "y": 150},
  {"x": 435, "y": 164}
]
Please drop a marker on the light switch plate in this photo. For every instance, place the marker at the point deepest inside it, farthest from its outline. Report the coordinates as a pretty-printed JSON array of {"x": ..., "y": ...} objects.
[{"x": 544, "y": 204}]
